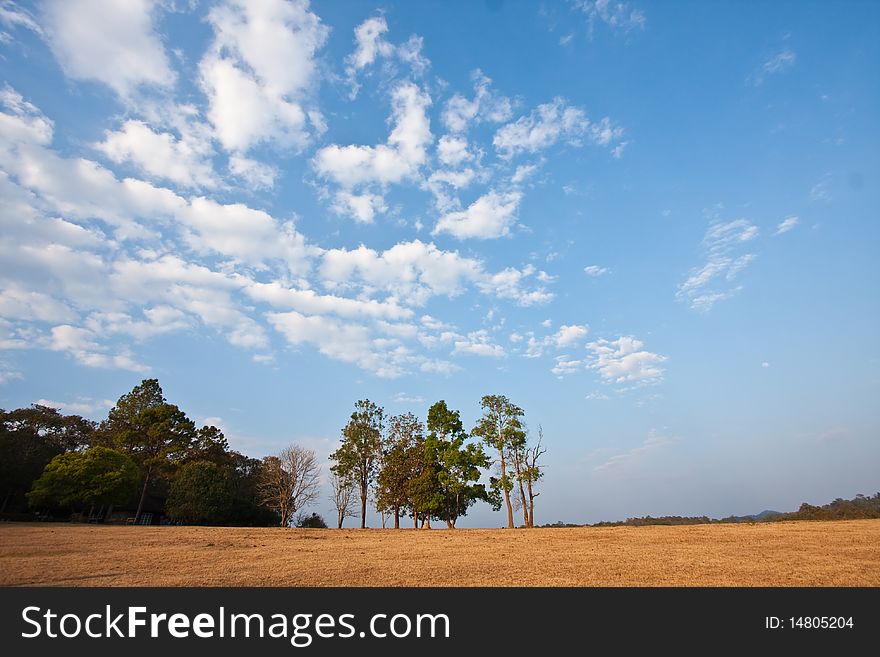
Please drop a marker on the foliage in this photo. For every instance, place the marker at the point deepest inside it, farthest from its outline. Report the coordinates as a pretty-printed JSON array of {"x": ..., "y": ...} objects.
[
  {"x": 457, "y": 464},
  {"x": 203, "y": 493},
  {"x": 360, "y": 450},
  {"x": 402, "y": 454},
  {"x": 501, "y": 428},
  {"x": 96, "y": 476},
  {"x": 313, "y": 521}
]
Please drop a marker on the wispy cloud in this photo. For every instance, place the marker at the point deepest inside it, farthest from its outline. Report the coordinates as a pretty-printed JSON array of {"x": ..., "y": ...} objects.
[
  {"x": 786, "y": 225},
  {"x": 618, "y": 16},
  {"x": 655, "y": 441},
  {"x": 779, "y": 62},
  {"x": 595, "y": 270},
  {"x": 723, "y": 245}
]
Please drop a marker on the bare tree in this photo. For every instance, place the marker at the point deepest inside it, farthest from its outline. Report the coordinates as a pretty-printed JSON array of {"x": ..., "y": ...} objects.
[
  {"x": 533, "y": 471},
  {"x": 343, "y": 497},
  {"x": 289, "y": 482}
]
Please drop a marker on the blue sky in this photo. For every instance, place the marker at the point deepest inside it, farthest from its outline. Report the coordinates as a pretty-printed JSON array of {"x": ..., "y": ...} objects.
[{"x": 651, "y": 225}]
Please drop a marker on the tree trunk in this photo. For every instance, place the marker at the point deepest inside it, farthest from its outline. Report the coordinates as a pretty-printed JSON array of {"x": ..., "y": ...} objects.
[
  {"x": 525, "y": 506},
  {"x": 450, "y": 523},
  {"x": 506, "y": 492},
  {"x": 137, "y": 515},
  {"x": 531, "y": 504},
  {"x": 340, "y": 518},
  {"x": 426, "y": 522},
  {"x": 5, "y": 501},
  {"x": 396, "y": 518},
  {"x": 415, "y": 520},
  {"x": 363, "y": 508}
]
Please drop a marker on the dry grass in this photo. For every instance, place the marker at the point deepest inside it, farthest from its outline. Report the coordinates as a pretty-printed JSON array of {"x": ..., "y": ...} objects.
[{"x": 772, "y": 554}]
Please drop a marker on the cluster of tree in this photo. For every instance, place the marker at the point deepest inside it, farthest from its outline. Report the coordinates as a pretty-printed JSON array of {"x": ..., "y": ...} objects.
[
  {"x": 861, "y": 507},
  {"x": 146, "y": 449},
  {"x": 431, "y": 471}
]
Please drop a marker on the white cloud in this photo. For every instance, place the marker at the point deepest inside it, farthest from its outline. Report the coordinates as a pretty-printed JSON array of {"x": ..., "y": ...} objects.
[
  {"x": 566, "y": 336},
  {"x": 821, "y": 191},
  {"x": 479, "y": 343},
  {"x": 111, "y": 42},
  {"x": 486, "y": 105},
  {"x": 786, "y": 225},
  {"x": 549, "y": 123},
  {"x": 623, "y": 361},
  {"x": 595, "y": 270},
  {"x": 371, "y": 45},
  {"x": 489, "y": 217},
  {"x": 83, "y": 406},
  {"x": 160, "y": 155},
  {"x": 652, "y": 443},
  {"x": 781, "y": 61},
  {"x": 765, "y": 364},
  {"x": 453, "y": 151},
  {"x": 82, "y": 344},
  {"x": 722, "y": 243},
  {"x": 355, "y": 168},
  {"x": 620, "y": 16},
  {"x": 406, "y": 398},
  {"x": 256, "y": 175},
  {"x": 259, "y": 72}
]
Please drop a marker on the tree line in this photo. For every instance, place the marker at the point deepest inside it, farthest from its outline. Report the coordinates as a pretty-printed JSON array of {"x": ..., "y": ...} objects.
[
  {"x": 432, "y": 471},
  {"x": 148, "y": 454}
]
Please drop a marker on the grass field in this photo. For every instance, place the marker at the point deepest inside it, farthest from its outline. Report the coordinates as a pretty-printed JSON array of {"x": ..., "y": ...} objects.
[{"x": 844, "y": 553}]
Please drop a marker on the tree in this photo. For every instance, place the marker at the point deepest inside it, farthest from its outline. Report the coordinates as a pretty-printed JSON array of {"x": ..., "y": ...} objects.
[
  {"x": 499, "y": 427},
  {"x": 96, "y": 476},
  {"x": 203, "y": 493},
  {"x": 533, "y": 472},
  {"x": 342, "y": 496},
  {"x": 402, "y": 451},
  {"x": 313, "y": 521},
  {"x": 457, "y": 465},
  {"x": 289, "y": 482},
  {"x": 151, "y": 430},
  {"x": 29, "y": 439},
  {"x": 358, "y": 455}
]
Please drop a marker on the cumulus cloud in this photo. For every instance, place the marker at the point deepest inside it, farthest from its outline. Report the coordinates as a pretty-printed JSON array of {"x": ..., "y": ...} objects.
[
  {"x": 371, "y": 46},
  {"x": 723, "y": 245},
  {"x": 624, "y": 361},
  {"x": 486, "y": 105},
  {"x": 110, "y": 42},
  {"x": 550, "y": 123},
  {"x": 259, "y": 72},
  {"x": 357, "y": 168},
  {"x": 489, "y": 217},
  {"x": 161, "y": 156}
]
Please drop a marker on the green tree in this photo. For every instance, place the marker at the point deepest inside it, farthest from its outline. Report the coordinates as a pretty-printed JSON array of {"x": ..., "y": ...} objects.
[
  {"x": 98, "y": 475},
  {"x": 457, "y": 464},
  {"x": 154, "y": 432},
  {"x": 203, "y": 493},
  {"x": 29, "y": 439},
  {"x": 361, "y": 449},
  {"x": 402, "y": 451},
  {"x": 500, "y": 427}
]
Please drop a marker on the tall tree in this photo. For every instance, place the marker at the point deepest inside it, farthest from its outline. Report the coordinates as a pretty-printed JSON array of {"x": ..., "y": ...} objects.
[
  {"x": 290, "y": 481},
  {"x": 358, "y": 455},
  {"x": 29, "y": 439},
  {"x": 533, "y": 472},
  {"x": 153, "y": 431},
  {"x": 498, "y": 427},
  {"x": 342, "y": 496},
  {"x": 458, "y": 465},
  {"x": 203, "y": 493},
  {"x": 400, "y": 458},
  {"x": 98, "y": 475}
]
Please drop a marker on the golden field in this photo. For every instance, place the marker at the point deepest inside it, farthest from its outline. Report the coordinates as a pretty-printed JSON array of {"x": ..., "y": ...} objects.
[{"x": 841, "y": 553}]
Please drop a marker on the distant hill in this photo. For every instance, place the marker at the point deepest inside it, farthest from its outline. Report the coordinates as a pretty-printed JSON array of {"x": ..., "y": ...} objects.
[{"x": 859, "y": 508}]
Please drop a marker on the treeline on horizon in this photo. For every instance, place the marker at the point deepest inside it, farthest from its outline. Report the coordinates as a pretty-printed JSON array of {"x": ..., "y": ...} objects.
[
  {"x": 861, "y": 507},
  {"x": 147, "y": 460}
]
